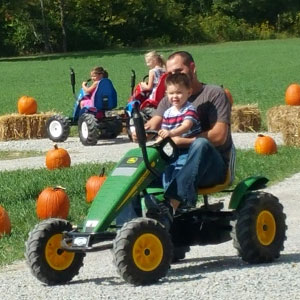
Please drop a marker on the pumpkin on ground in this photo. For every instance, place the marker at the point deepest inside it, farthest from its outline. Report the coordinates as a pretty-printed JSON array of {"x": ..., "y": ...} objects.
[
  {"x": 292, "y": 94},
  {"x": 265, "y": 145},
  {"x": 27, "y": 105},
  {"x": 57, "y": 158},
  {"x": 5, "y": 225},
  {"x": 53, "y": 202},
  {"x": 93, "y": 185},
  {"x": 229, "y": 96}
]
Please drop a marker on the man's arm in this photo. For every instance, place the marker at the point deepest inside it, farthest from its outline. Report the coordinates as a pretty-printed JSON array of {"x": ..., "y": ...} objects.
[
  {"x": 153, "y": 124},
  {"x": 217, "y": 135}
]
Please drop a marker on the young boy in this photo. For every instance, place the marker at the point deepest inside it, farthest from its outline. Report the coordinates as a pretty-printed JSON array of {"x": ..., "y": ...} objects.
[{"x": 181, "y": 119}]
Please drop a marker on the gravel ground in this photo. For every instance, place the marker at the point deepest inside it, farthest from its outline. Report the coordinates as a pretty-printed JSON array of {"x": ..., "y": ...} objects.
[{"x": 209, "y": 272}]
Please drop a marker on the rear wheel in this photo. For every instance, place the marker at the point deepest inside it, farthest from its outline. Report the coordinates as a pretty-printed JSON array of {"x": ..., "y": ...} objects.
[
  {"x": 142, "y": 251},
  {"x": 48, "y": 262},
  {"x": 110, "y": 129},
  {"x": 259, "y": 231},
  {"x": 88, "y": 129},
  {"x": 58, "y": 128}
]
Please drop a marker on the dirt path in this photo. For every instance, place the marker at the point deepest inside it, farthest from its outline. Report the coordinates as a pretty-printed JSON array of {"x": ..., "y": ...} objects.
[{"x": 105, "y": 150}]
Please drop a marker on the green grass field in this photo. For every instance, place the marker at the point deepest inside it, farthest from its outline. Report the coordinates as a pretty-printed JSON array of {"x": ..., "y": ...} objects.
[{"x": 255, "y": 72}]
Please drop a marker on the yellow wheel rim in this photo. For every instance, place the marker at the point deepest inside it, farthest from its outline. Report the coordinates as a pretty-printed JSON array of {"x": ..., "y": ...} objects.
[
  {"x": 265, "y": 227},
  {"x": 57, "y": 258},
  {"x": 147, "y": 252}
]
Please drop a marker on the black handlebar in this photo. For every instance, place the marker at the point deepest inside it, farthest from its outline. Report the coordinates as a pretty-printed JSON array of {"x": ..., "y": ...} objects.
[
  {"x": 142, "y": 139},
  {"x": 132, "y": 81},
  {"x": 72, "y": 77}
]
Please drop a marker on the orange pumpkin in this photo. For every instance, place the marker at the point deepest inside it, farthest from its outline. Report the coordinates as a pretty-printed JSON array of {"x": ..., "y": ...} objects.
[
  {"x": 5, "y": 225},
  {"x": 93, "y": 185},
  {"x": 229, "y": 96},
  {"x": 292, "y": 94},
  {"x": 27, "y": 105},
  {"x": 57, "y": 158},
  {"x": 53, "y": 203},
  {"x": 265, "y": 145}
]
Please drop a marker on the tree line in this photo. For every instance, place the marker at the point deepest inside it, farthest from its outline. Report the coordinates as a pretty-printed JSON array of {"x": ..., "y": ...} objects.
[{"x": 46, "y": 26}]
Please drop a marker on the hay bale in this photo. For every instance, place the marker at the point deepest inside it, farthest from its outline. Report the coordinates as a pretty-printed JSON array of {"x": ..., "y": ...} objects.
[
  {"x": 245, "y": 118},
  {"x": 291, "y": 133},
  {"x": 278, "y": 116},
  {"x": 16, "y": 126}
]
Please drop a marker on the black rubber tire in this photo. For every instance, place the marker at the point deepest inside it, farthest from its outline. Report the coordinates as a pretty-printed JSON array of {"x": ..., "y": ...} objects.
[
  {"x": 58, "y": 128},
  {"x": 88, "y": 129},
  {"x": 179, "y": 253},
  {"x": 36, "y": 253},
  {"x": 110, "y": 129},
  {"x": 153, "y": 236},
  {"x": 260, "y": 230},
  {"x": 147, "y": 113}
]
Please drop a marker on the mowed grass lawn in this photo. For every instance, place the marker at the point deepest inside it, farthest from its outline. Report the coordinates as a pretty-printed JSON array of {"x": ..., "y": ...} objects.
[{"x": 255, "y": 72}]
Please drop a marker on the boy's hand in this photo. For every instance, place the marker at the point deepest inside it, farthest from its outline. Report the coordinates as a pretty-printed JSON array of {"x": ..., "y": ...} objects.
[{"x": 163, "y": 133}]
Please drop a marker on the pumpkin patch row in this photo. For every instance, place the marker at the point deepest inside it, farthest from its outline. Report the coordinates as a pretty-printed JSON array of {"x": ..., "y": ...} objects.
[{"x": 53, "y": 202}]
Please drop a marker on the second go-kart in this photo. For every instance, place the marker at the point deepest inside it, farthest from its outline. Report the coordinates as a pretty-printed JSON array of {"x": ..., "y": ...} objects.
[
  {"x": 144, "y": 247},
  {"x": 95, "y": 122},
  {"x": 147, "y": 106}
]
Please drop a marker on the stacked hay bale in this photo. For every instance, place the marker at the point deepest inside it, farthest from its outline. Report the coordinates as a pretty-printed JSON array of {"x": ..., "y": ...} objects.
[
  {"x": 245, "y": 118},
  {"x": 286, "y": 118},
  {"x": 17, "y": 126}
]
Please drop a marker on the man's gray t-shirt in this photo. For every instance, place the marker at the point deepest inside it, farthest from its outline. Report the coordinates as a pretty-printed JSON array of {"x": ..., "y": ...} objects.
[{"x": 212, "y": 106}]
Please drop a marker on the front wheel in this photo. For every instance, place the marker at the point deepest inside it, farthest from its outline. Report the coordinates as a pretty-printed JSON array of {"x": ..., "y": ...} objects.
[
  {"x": 142, "y": 251},
  {"x": 260, "y": 230},
  {"x": 88, "y": 129},
  {"x": 58, "y": 128},
  {"x": 47, "y": 261}
]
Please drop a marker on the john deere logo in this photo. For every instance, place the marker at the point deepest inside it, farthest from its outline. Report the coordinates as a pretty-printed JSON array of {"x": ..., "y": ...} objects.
[{"x": 132, "y": 160}]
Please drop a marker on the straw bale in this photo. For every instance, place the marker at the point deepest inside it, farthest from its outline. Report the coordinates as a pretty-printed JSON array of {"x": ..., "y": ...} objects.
[
  {"x": 278, "y": 116},
  {"x": 245, "y": 118},
  {"x": 291, "y": 132},
  {"x": 17, "y": 126}
]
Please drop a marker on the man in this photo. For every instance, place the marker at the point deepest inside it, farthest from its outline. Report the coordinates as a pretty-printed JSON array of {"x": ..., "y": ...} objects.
[
  {"x": 207, "y": 160},
  {"x": 208, "y": 157}
]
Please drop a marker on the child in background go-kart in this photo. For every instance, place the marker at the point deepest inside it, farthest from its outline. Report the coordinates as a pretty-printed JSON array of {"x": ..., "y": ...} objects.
[
  {"x": 156, "y": 64},
  {"x": 97, "y": 74}
]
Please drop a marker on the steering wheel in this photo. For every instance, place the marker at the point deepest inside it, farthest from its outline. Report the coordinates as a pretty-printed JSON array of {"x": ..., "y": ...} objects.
[
  {"x": 145, "y": 78},
  {"x": 162, "y": 147}
]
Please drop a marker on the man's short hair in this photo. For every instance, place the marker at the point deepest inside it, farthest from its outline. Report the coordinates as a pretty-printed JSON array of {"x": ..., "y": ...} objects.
[
  {"x": 178, "y": 78},
  {"x": 186, "y": 57}
]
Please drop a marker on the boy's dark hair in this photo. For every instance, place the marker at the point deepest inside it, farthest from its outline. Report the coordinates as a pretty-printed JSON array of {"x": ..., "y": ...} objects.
[
  {"x": 186, "y": 57},
  {"x": 178, "y": 78}
]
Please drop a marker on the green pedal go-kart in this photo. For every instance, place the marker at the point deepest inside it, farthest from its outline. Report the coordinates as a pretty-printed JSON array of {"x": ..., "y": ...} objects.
[{"x": 144, "y": 248}]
